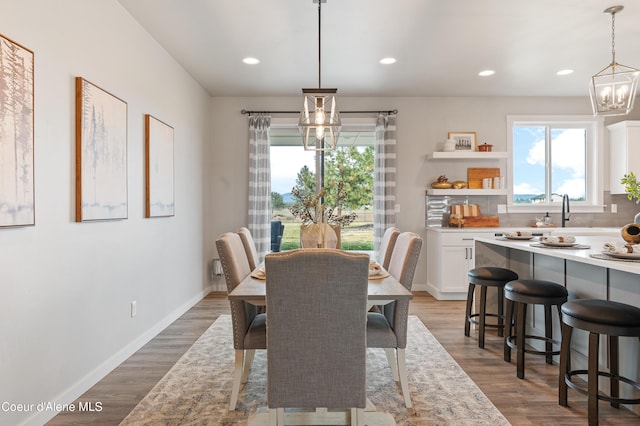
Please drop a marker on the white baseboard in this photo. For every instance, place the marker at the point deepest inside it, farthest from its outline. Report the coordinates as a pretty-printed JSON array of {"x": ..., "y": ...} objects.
[{"x": 87, "y": 382}]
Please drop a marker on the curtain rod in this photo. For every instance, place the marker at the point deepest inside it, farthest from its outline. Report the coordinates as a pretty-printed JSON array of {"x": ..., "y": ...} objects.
[{"x": 245, "y": 112}]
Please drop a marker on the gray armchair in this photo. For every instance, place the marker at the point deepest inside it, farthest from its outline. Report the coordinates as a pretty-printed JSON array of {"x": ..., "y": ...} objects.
[
  {"x": 316, "y": 335},
  {"x": 388, "y": 329},
  {"x": 249, "y": 326}
]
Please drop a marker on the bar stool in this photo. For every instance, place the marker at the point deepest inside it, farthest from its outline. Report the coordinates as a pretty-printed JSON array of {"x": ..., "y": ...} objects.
[
  {"x": 613, "y": 319},
  {"x": 519, "y": 294},
  {"x": 488, "y": 276}
]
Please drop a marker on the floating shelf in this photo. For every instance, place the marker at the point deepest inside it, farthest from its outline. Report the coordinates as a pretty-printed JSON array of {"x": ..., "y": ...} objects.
[
  {"x": 466, "y": 191},
  {"x": 466, "y": 155}
]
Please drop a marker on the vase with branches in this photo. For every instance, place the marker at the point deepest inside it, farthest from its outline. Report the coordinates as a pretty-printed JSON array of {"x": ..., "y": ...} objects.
[{"x": 632, "y": 188}]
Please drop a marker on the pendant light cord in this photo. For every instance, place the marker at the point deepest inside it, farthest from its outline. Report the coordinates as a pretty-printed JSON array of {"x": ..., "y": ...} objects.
[
  {"x": 319, "y": 43},
  {"x": 613, "y": 37}
]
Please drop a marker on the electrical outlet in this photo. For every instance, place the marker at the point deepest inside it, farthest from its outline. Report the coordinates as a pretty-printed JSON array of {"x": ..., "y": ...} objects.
[
  {"x": 134, "y": 308},
  {"x": 502, "y": 208},
  {"x": 614, "y": 208}
]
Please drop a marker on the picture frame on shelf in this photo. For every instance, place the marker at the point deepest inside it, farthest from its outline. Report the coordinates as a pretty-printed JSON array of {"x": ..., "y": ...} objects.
[
  {"x": 17, "y": 199},
  {"x": 101, "y": 154},
  {"x": 465, "y": 141}
]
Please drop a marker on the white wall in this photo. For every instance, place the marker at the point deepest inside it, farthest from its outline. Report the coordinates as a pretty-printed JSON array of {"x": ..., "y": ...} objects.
[
  {"x": 66, "y": 287},
  {"x": 423, "y": 124}
]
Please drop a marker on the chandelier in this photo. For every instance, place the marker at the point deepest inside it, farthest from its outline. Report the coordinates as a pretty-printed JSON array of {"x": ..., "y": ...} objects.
[
  {"x": 613, "y": 89},
  {"x": 319, "y": 118}
]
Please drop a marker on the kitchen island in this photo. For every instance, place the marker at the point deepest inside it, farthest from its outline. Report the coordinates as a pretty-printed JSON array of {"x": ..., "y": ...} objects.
[{"x": 583, "y": 276}]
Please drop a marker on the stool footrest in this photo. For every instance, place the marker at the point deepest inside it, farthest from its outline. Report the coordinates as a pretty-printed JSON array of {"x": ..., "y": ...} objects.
[
  {"x": 510, "y": 342},
  {"x": 471, "y": 319},
  {"x": 601, "y": 396}
]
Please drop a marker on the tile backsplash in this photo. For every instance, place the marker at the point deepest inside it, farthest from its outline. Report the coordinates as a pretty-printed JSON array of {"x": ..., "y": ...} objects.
[{"x": 437, "y": 211}]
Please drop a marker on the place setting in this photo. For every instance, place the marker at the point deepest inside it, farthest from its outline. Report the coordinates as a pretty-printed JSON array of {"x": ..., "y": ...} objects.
[
  {"x": 627, "y": 251},
  {"x": 560, "y": 242}
]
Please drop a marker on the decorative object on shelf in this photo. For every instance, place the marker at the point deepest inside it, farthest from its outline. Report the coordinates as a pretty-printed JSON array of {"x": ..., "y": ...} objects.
[
  {"x": 613, "y": 89},
  {"x": 485, "y": 147},
  {"x": 632, "y": 188},
  {"x": 475, "y": 175},
  {"x": 465, "y": 141},
  {"x": 441, "y": 183},
  {"x": 449, "y": 145},
  {"x": 631, "y": 233},
  {"x": 319, "y": 119},
  {"x": 17, "y": 199},
  {"x": 459, "y": 184}
]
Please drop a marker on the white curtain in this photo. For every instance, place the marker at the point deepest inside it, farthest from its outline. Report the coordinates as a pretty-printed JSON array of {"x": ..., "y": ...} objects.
[
  {"x": 384, "y": 193},
  {"x": 260, "y": 184}
]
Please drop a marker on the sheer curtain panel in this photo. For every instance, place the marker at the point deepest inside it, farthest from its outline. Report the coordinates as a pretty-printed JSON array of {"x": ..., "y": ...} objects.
[
  {"x": 384, "y": 193},
  {"x": 260, "y": 184}
]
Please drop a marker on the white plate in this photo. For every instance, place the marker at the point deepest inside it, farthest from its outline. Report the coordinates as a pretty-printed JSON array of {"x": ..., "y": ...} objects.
[
  {"x": 550, "y": 244},
  {"x": 521, "y": 237},
  {"x": 623, "y": 255}
]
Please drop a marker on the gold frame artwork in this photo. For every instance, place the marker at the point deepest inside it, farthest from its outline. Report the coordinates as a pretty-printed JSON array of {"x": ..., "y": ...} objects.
[
  {"x": 17, "y": 185},
  {"x": 159, "y": 169},
  {"x": 465, "y": 141},
  {"x": 101, "y": 154}
]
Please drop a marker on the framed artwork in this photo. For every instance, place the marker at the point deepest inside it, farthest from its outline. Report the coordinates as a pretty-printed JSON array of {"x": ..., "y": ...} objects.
[
  {"x": 465, "y": 141},
  {"x": 159, "y": 194},
  {"x": 101, "y": 154},
  {"x": 17, "y": 199}
]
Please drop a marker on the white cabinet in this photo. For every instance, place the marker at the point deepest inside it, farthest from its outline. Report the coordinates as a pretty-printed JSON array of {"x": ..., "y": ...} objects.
[
  {"x": 450, "y": 256},
  {"x": 624, "y": 156}
]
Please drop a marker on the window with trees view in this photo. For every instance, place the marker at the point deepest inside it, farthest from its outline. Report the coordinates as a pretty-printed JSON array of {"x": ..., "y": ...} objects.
[
  {"x": 351, "y": 163},
  {"x": 553, "y": 156}
]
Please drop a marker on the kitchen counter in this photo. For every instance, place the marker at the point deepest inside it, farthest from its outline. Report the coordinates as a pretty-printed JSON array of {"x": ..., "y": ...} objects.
[{"x": 545, "y": 231}]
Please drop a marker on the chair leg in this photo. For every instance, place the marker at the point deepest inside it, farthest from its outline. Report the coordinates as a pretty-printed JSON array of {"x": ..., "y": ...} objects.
[
  {"x": 357, "y": 416},
  {"x": 509, "y": 330},
  {"x": 393, "y": 363},
  {"x": 548, "y": 333},
  {"x": 467, "y": 322},
  {"x": 402, "y": 371},
  {"x": 564, "y": 367},
  {"x": 237, "y": 376},
  {"x": 592, "y": 386},
  {"x": 521, "y": 327},
  {"x": 248, "y": 361},
  {"x": 500, "y": 311},
  {"x": 483, "y": 315}
]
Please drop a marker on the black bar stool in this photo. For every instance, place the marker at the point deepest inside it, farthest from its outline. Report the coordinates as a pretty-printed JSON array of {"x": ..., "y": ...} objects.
[
  {"x": 488, "y": 276},
  {"x": 519, "y": 294},
  {"x": 613, "y": 319}
]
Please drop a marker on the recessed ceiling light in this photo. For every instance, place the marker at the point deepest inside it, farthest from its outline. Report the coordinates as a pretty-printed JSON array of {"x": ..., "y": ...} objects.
[
  {"x": 251, "y": 61},
  {"x": 486, "y": 73},
  {"x": 388, "y": 61},
  {"x": 564, "y": 72}
]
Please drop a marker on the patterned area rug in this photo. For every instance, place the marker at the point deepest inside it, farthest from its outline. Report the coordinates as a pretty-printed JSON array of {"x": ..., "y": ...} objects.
[{"x": 196, "y": 390}]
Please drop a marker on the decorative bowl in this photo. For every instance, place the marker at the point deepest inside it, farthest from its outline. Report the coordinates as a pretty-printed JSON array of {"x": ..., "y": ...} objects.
[
  {"x": 459, "y": 184},
  {"x": 485, "y": 147},
  {"x": 441, "y": 185},
  {"x": 631, "y": 233}
]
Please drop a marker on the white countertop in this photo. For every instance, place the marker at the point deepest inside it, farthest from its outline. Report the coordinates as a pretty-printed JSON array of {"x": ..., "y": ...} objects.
[
  {"x": 611, "y": 231},
  {"x": 580, "y": 255}
]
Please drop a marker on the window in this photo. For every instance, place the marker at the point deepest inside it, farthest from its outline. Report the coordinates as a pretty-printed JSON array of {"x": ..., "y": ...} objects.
[
  {"x": 290, "y": 164},
  {"x": 553, "y": 156}
]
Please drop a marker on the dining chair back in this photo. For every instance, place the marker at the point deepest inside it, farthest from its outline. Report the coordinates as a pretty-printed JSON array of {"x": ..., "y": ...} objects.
[
  {"x": 249, "y": 326},
  {"x": 316, "y": 332},
  {"x": 388, "y": 329},
  {"x": 386, "y": 246},
  {"x": 249, "y": 247}
]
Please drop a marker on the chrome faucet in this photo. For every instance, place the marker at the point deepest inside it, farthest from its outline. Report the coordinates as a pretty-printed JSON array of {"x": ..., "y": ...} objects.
[{"x": 565, "y": 205}]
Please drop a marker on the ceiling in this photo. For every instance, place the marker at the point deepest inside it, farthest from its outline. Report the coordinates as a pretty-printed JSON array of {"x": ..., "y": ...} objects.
[{"x": 440, "y": 45}]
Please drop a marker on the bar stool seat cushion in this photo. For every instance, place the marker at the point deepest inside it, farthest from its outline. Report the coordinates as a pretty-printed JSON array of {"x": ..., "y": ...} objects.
[
  {"x": 491, "y": 276},
  {"x": 604, "y": 312},
  {"x": 536, "y": 288}
]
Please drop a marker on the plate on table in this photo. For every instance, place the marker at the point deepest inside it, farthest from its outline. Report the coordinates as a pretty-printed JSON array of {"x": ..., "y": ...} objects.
[
  {"x": 550, "y": 244},
  {"x": 623, "y": 255},
  {"x": 519, "y": 237}
]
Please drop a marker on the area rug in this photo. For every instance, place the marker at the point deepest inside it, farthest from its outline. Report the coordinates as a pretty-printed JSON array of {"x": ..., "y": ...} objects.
[{"x": 197, "y": 389}]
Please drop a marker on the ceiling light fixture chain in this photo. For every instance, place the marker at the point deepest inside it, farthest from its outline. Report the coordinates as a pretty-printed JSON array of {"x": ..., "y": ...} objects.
[{"x": 613, "y": 90}]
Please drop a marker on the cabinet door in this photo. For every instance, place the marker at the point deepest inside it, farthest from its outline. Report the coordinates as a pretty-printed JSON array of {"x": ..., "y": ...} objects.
[{"x": 456, "y": 263}]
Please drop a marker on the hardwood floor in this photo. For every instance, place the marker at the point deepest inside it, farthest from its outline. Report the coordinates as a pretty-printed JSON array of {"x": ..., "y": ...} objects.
[{"x": 532, "y": 401}]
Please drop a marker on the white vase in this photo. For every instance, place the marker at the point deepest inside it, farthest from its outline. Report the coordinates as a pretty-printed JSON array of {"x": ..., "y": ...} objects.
[{"x": 449, "y": 145}]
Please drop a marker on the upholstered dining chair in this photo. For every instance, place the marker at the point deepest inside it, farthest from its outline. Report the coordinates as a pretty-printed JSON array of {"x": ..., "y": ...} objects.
[
  {"x": 388, "y": 329},
  {"x": 386, "y": 246},
  {"x": 249, "y": 247},
  {"x": 316, "y": 332},
  {"x": 249, "y": 326}
]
